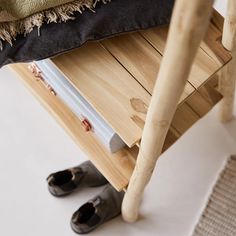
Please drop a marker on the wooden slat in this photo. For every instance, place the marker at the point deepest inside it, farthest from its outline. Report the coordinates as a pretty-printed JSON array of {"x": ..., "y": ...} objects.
[
  {"x": 184, "y": 118},
  {"x": 210, "y": 57},
  {"x": 140, "y": 59},
  {"x": 108, "y": 87},
  {"x": 203, "y": 67},
  {"x": 210, "y": 89},
  {"x": 198, "y": 104},
  {"x": 188, "y": 90},
  {"x": 137, "y": 56},
  {"x": 171, "y": 138},
  {"x": 117, "y": 167}
]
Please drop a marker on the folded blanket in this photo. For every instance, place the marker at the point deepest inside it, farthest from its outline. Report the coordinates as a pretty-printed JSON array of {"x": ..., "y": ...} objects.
[
  {"x": 117, "y": 17},
  {"x": 18, "y": 9},
  {"x": 21, "y": 16}
]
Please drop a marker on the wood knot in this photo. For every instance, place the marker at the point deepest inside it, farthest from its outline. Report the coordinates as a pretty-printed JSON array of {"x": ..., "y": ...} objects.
[
  {"x": 138, "y": 121},
  {"x": 139, "y": 105}
]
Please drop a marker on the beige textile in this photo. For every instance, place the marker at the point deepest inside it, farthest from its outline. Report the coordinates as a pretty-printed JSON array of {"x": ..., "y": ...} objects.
[
  {"x": 21, "y": 16},
  {"x": 19, "y": 9},
  {"x": 219, "y": 216}
]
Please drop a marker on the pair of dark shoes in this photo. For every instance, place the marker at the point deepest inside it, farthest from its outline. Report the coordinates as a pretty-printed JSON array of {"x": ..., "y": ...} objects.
[{"x": 103, "y": 207}]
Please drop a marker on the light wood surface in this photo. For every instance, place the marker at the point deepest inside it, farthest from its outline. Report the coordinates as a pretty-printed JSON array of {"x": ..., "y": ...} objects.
[
  {"x": 184, "y": 117},
  {"x": 137, "y": 56},
  {"x": 140, "y": 59},
  {"x": 228, "y": 76},
  {"x": 199, "y": 104},
  {"x": 189, "y": 24},
  {"x": 227, "y": 88},
  {"x": 116, "y": 167},
  {"x": 171, "y": 137},
  {"x": 211, "y": 55},
  {"x": 108, "y": 87},
  {"x": 229, "y": 32},
  {"x": 203, "y": 66}
]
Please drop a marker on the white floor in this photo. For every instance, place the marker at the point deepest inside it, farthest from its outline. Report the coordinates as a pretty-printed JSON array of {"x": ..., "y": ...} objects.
[{"x": 32, "y": 145}]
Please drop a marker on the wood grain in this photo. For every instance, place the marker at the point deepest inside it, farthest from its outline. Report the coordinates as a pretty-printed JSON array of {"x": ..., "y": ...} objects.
[
  {"x": 108, "y": 87},
  {"x": 140, "y": 59},
  {"x": 184, "y": 118},
  {"x": 116, "y": 167},
  {"x": 211, "y": 55}
]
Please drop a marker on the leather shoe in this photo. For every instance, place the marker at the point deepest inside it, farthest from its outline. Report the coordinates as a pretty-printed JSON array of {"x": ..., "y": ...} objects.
[
  {"x": 98, "y": 210},
  {"x": 64, "y": 182}
]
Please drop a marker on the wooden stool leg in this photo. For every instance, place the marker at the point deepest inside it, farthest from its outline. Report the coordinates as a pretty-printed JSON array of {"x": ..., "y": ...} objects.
[
  {"x": 228, "y": 77},
  {"x": 227, "y": 89},
  {"x": 229, "y": 31},
  {"x": 189, "y": 23}
]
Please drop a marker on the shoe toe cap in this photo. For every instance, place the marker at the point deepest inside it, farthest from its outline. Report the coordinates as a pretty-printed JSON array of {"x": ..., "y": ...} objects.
[{"x": 84, "y": 224}]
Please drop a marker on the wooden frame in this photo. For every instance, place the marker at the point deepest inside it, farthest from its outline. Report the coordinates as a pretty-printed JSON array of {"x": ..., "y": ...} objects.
[{"x": 189, "y": 24}]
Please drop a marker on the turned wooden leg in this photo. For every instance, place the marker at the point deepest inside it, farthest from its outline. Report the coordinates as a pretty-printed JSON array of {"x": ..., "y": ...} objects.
[
  {"x": 189, "y": 23},
  {"x": 228, "y": 77}
]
